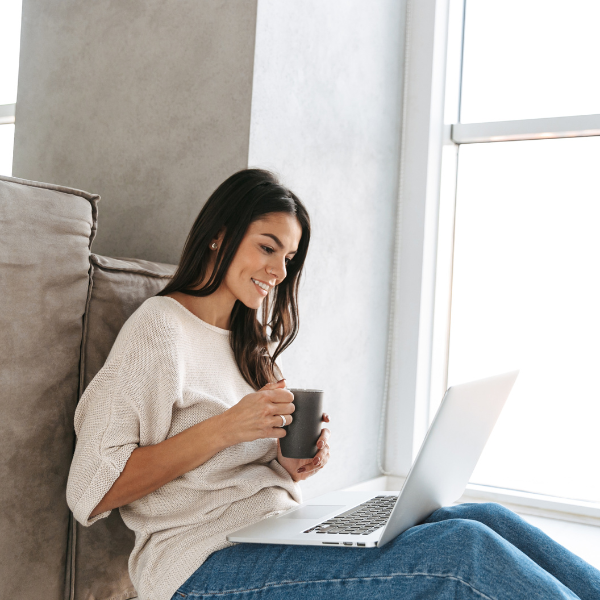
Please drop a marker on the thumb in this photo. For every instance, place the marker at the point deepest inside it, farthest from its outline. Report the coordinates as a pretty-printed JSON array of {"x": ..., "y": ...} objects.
[{"x": 274, "y": 385}]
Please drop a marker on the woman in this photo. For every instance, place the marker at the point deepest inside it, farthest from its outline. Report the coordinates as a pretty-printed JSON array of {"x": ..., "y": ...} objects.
[{"x": 180, "y": 430}]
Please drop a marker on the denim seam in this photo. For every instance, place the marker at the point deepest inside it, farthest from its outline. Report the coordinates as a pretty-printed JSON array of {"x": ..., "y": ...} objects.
[{"x": 290, "y": 583}]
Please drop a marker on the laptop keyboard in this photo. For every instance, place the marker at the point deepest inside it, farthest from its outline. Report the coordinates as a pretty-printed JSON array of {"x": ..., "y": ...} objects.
[{"x": 360, "y": 520}]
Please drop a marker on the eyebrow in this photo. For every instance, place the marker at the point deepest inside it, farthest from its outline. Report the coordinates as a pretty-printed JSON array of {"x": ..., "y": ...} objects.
[{"x": 276, "y": 240}]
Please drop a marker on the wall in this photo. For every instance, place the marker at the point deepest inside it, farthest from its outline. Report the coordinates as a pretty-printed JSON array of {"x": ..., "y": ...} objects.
[
  {"x": 326, "y": 112},
  {"x": 145, "y": 102}
]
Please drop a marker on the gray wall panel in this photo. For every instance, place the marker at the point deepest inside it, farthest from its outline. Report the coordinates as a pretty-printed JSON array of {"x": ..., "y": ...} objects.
[{"x": 146, "y": 103}]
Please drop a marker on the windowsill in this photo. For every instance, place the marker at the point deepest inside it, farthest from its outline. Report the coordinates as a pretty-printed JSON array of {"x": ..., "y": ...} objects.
[{"x": 574, "y": 525}]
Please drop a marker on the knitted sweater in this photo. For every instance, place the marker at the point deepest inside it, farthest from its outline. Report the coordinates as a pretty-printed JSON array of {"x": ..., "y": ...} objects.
[{"x": 167, "y": 371}]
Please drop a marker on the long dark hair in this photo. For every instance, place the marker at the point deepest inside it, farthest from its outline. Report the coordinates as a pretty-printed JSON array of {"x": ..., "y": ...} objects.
[{"x": 243, "y": 198}]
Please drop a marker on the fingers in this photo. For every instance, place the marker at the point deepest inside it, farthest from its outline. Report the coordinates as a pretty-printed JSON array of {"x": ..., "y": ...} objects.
[
  {"x": 280, "y": 395},
  {"x": 281, "y": 409},
  {"x": 317, "y": 463},
  {"x": 325, "y": 418},
  {"x": 278, "y": 422},
  {"x": 322, "y": 441},
  {"x": 321, "y": 457},
  {"x": 274, "y": 385}
]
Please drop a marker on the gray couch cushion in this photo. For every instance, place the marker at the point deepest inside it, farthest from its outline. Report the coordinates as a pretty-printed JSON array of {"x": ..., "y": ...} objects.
[
  {"x": 118, "y": 287},
  {"x": 45, "y": 237}
]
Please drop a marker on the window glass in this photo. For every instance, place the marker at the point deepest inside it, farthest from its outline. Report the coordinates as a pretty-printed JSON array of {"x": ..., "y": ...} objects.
[
  {"x": 10, "y": 33},
  {"x": 7, "y": 135},
  {"x": 526, "y": 294},
  {"x": 527, "y": 59}
]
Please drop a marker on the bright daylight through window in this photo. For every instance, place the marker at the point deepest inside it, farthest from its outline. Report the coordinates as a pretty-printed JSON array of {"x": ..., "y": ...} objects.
[
  {"x": 525, "y": 288},
  {"x": 10, "y": 29}
]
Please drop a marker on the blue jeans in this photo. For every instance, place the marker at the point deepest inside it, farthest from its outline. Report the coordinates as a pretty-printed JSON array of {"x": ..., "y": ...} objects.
[{"x": 466, "y": 551}]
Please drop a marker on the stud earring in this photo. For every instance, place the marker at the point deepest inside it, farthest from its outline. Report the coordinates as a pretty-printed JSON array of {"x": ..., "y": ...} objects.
[{"x": 214, "y": 245}]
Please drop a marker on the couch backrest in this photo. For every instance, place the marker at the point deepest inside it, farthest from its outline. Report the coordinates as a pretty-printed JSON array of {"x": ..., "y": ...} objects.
[
  {"x": 99, "y": 553},
  {"x": 61, "y": 309},
  {"x": 45, "y": 236}
]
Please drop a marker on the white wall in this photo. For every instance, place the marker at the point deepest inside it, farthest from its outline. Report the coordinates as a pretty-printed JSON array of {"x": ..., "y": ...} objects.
[{"x": 326, "y": 111}]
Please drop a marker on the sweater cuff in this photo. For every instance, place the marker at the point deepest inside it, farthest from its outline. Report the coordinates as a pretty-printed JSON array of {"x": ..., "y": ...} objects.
[{"x": 102, "y": 481}]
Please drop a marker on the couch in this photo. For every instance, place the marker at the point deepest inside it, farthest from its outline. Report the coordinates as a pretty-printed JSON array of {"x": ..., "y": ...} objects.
[{"x": 61, "y": 308}]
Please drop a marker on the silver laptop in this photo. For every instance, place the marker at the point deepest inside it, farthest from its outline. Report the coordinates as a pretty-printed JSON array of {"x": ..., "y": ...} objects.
[{"x": 438, "y": 477}]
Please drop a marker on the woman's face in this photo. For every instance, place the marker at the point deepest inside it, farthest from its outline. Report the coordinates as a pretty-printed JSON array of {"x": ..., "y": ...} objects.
[{"x": 261, "y": 259}]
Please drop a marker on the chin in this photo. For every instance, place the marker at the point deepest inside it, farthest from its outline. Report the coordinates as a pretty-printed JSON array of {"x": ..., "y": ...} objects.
[{"x": 254, "y": 303}]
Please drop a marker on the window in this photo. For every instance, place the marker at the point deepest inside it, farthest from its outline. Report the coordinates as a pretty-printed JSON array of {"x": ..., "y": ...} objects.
[
  {"x": 518, "y": 281},
  {"x": 10, "y": 29}
]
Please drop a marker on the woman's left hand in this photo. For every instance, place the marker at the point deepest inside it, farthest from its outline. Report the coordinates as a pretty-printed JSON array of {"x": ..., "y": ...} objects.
[{"x": 303, "y": 468}]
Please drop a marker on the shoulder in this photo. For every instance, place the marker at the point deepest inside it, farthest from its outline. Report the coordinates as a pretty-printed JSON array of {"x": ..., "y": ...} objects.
[
  {"x": 154, "y": 327},
  {"x": 143, "y": 367},
  {"x": 156, "y": 315}
]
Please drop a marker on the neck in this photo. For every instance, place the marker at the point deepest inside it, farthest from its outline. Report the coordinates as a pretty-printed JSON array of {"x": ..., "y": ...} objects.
[{"x": 214, "y": 309}]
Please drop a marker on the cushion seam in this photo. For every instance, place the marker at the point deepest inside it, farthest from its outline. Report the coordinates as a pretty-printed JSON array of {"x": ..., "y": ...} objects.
[
  {"x": 50, "y": 186},
  {"x": 136, "y": 272},
  {"x": 139, "y": 271}
]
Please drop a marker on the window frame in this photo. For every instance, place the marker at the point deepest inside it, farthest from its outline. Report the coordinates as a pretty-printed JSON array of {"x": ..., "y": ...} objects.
[
  {"x": 7, "y": 114},
  {"x": 7, "y": 117},
  {"x": 8, "y": 111},
  {"x": 422, "y": 278}
]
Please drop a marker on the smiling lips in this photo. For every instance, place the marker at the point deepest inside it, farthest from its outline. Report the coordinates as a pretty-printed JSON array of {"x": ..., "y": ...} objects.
[{"x": 263, "y": 287}]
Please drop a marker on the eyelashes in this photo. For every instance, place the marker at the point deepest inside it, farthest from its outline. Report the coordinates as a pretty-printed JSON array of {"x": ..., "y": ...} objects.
[{"x": 269, "y": 250}]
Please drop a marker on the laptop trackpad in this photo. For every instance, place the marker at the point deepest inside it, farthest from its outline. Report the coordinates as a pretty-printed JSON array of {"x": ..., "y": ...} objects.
[{"x": 312, "y": 511}]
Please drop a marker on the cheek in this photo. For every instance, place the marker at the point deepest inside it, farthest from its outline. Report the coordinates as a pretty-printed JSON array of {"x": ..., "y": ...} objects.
[
  {"x": 234, "y": 279},
  {"x": 246, "y": 264},
  {"x": 240, "y": 268},
  {"x": 238, "y": 277}
]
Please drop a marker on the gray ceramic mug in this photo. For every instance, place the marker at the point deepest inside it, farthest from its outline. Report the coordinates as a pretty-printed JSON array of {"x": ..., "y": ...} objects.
[{"x": 304, "y": 431}]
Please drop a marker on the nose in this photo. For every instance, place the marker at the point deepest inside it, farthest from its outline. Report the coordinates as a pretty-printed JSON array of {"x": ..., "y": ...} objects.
[{"x": 278, "y": 269}]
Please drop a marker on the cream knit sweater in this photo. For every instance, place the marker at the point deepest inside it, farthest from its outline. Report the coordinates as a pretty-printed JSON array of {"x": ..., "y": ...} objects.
[{"x": 167, "y": 371}]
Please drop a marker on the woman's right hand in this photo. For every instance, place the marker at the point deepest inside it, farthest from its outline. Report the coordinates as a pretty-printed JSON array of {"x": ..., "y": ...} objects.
[{"x": 256, "y": 415}]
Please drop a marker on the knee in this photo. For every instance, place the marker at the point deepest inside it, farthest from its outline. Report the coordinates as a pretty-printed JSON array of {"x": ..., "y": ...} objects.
[
  {"x": 461, "y": 533},
  {"x": 486, "y": 512},
  {"x": 490, "y": 513}
]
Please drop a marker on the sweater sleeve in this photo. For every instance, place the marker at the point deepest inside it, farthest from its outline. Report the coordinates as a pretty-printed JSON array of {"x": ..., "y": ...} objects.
[{"x": 128, "y": 404}]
